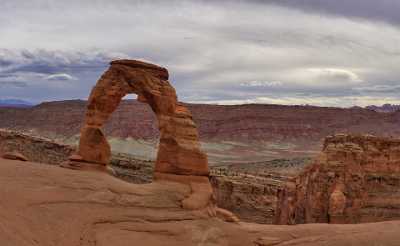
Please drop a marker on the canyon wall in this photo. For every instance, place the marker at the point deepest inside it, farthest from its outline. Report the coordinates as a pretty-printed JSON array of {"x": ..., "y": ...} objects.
[
  {"x": 228, "y": 134},
  {"x": 307, "y": 124}
]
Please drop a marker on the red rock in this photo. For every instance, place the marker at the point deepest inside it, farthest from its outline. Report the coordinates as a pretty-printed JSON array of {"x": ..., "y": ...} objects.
[
  {"x": 179, "y": 148},
  {"x": 46, "y": 205},
  {"x": 294, "y": 130},
  {"x": 356, "y": 179},
  {"x": 34, "y": 148}
]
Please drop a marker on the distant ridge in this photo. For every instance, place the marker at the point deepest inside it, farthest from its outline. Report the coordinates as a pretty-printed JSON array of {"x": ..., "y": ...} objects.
[
  {"x": 385, "y": 108},
  {"x": 273, "y": 123},
  {"x": 15, "y": 103}
]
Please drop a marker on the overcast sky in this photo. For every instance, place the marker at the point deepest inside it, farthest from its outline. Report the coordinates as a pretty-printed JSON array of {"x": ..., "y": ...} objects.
[{"x": 320, "y": 52}]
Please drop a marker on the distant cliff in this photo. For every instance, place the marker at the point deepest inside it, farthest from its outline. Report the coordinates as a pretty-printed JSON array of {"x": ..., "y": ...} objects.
[
  {"x": 229, "y": 134},
  {"x": 302, "y": 126}
]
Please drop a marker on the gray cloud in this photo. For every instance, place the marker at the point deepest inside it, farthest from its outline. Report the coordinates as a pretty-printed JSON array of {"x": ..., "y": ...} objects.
[
  {"x": 324, "y": 52},
  {"x": 384, "y": 88},
  {"x": 371, "y": 10},
  {"x": 16, "y": 84}
]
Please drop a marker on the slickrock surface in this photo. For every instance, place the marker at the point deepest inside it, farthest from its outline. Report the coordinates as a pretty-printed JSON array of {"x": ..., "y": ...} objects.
[
  {"x": 179, "y": 150},
  {"x": 47, "y": 205},
  {"x": 355, "y": 180}
]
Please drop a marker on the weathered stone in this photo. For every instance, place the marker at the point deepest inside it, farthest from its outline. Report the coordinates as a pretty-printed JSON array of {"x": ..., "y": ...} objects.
[
  {"x": 179, "y": 148},
  {"x": 356, "y": 179},
  {"x": 179, "y": 157}
]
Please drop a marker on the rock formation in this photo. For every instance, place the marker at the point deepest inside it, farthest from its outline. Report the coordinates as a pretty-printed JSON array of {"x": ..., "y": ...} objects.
[
  {"x": 179, "y": 157},
  {"x": 248, "y": 190},
  {"x": 179, "y": 148},
  {"x": 252, "y": 198},
  {"x": 15, "y": 145},
  {"x": 356, "y": 179}
]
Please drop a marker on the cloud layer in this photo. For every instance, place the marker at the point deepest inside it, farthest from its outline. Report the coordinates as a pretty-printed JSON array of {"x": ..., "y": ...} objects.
[{"x": 333, "y": 53}]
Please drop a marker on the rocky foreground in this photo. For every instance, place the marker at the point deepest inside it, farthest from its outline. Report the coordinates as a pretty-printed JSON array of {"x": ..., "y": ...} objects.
[
  {"x": 48, "y": 205},
  {"x": 355, "y": 180},
  {"x": 249, "y": 190}
]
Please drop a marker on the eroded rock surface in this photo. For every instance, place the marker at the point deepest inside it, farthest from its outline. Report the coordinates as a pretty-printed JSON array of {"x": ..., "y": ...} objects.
[
  {"x": 179, "y": 148},
  {"x": 252, "y": 198},
  {"x": 179, "y": 158},
  {"x": 356, "y": 179},
  {"x": 47, "y": 205}
]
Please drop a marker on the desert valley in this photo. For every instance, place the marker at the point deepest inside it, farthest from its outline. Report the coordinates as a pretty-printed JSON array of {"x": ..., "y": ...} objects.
[{"x": 199, "y": 123}]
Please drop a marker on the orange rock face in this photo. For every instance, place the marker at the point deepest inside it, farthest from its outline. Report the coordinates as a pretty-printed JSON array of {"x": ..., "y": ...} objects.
[
  {"x": 179, "y": 148},
  {"x": 355, "y": 180}
]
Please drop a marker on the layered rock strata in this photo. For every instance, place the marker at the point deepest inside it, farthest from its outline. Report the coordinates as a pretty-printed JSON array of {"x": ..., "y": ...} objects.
[
  {"x": 356, "y": 179},
  {"x": 253, "y": 198}
]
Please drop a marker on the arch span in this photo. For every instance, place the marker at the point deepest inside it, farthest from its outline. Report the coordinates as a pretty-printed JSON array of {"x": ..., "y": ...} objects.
[{"x": 179, "y": 150}]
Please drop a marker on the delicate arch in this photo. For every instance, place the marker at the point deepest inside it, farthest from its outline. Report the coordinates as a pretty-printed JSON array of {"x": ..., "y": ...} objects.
[{"x": 179, "y": 148}]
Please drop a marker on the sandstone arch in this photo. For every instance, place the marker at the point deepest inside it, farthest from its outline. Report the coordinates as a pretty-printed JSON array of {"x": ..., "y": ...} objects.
[{"x": 179, "y": 148}]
